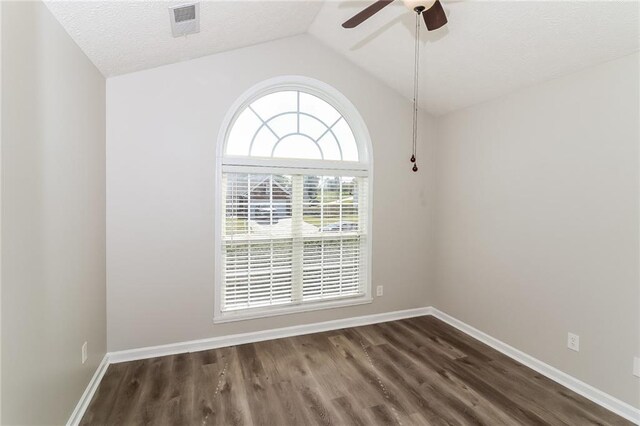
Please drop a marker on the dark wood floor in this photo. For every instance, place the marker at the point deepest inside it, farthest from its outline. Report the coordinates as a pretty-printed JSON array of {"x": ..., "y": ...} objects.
[{"x": 418, "y": 371}]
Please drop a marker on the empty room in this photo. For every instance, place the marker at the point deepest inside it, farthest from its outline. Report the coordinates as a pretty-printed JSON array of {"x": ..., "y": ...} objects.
[{"x": 320, "y": 212}]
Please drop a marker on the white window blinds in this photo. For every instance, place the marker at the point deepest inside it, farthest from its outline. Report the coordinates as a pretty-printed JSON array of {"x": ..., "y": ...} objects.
[{"x": 292, "y": 238}]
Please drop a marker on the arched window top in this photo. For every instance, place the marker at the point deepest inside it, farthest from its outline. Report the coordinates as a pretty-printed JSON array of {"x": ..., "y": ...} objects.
[{"x": 301, "y": 119}]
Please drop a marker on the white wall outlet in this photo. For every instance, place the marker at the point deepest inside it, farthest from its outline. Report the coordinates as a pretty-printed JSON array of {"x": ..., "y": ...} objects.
[
  {"x": 636, "y": 366},
  {"x": 573, "y": 342},
  {"x": 84, "y": 352},
  {"x": 379, "y": 291}
]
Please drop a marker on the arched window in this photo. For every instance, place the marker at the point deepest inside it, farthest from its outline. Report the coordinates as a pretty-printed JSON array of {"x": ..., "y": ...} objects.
[{"x": 293, "y": 223}]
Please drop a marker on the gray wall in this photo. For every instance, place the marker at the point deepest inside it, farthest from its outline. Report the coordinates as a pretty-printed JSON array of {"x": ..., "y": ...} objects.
[
  {"x": 162, "y": 129},
  {"x": 0, "y": 212},
  {"x": 537, "y": 222},
  {"x": 53, "y": 217}
]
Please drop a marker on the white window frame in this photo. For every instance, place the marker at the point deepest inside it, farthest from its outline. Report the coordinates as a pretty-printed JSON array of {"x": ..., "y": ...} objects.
[{"x": 363, "y": 167}]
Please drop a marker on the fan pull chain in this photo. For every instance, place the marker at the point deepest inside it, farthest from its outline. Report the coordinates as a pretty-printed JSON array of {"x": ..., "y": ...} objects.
[{"x": 416, "y": 75}]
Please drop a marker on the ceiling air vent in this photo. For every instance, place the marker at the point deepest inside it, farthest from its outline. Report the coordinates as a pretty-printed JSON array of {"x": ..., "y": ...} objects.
[{"x": 185, "y": 19}]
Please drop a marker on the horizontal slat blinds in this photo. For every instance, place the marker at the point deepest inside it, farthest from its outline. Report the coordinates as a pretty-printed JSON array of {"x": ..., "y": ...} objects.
[
  {"x": 331, "y": 268},
  {"x": 291, "y": 239}
]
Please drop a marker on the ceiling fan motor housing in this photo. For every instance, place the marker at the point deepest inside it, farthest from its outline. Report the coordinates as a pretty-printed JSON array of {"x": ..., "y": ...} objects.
[{"x": 415, "y": 5}]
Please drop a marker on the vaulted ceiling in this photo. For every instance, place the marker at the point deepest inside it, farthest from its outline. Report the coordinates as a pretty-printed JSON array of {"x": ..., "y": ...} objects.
[
  {"x": 489, "y": 48},
  {"x": 126, "y": 36}
]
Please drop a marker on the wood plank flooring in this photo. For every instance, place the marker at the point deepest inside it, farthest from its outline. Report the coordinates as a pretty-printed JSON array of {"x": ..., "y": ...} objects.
[{"x": 418, "y": 371}]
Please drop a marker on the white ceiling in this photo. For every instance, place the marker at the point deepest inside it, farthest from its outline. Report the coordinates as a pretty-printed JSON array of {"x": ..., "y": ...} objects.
[
  {"x": 489, "y": 48},
  {"x": 126, "y": 36}
]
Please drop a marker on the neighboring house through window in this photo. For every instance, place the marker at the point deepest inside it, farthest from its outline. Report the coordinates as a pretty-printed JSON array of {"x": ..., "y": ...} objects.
[{"x": 293, "y": 219}]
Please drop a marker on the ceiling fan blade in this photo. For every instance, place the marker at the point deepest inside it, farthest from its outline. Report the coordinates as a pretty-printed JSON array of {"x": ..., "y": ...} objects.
[
  {"x": 435, "y": 17},
  {"x": 366, "y": 14}
]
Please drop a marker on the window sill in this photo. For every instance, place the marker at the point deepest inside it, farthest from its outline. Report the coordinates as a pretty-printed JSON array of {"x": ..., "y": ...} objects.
[{"x": 255, "y": 313}]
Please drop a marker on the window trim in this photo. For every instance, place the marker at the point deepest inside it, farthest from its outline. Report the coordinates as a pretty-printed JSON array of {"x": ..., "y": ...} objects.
[{"x": 363, "y": 167}]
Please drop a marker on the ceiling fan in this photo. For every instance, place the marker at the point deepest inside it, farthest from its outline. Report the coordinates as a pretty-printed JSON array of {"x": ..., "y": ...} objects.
[
  {"x": 434, "y": 18},
  {"x": 431, "y": 11}
]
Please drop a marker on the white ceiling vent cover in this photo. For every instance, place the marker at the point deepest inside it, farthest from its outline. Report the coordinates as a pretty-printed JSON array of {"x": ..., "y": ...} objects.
[{"x": 185, "y": 19}]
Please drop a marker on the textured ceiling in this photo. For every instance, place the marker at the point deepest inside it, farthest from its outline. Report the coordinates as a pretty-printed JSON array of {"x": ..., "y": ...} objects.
[
  {"x": 126, "y": 36},
  {"x": 488, "y": 49}
]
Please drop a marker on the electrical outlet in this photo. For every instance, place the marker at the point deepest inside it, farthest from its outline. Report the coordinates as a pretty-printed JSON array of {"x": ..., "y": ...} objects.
[
  {"x": 636, "y": 366},
  {"x": 573, "y": 342},
  {"x": 84, "y": 352},
  {"x": 379, "y": 291}
]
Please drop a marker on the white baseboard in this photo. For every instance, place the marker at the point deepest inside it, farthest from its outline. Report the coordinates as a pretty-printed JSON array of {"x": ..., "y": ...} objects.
[
  {"x": 601, "y": 398},
  {"x": 605, "y": 400},
  {"x": 258, "y": 336},
  {"x": 85, "y": 399}
]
